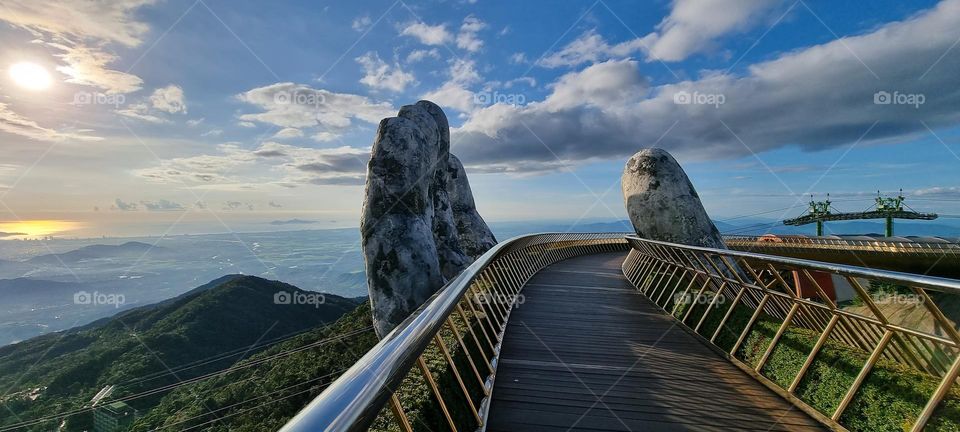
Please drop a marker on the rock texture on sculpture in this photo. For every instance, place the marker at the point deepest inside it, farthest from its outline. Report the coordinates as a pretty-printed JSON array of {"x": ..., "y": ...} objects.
[
  {"x": 414, "y": 237},
  {"x": 662, "y": 203},
  {"x": 475, "y": 237}
]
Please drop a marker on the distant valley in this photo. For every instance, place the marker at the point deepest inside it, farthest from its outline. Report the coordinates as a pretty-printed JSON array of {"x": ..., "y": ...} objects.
[{"x": 38, "y": 280}]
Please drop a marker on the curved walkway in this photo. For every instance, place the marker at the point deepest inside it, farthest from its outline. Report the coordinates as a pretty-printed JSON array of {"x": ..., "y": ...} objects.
[{"x": 586, "y": 352}]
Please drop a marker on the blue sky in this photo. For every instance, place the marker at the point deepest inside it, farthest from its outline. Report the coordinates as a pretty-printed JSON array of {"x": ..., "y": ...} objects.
[{"x": 199, "y": 116}]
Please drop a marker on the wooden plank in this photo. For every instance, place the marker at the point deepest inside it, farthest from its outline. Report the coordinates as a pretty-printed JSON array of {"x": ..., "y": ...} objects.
[{"x": 585, "y": 351}]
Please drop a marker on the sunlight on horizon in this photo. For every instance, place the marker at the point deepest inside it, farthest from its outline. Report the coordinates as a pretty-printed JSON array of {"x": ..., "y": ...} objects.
[{"x": 18, "y": 230}]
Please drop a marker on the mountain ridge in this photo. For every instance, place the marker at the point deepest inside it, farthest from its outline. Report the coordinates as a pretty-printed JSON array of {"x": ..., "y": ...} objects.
[{"x": 234, "y": 314}]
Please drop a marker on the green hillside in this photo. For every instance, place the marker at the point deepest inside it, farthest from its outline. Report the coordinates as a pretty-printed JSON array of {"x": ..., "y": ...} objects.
[{"x": 205, "y": 330}]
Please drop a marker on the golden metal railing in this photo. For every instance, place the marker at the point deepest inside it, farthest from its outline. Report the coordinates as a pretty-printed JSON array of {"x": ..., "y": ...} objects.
[
  {"x": 466, "y": 321},
  {"x": 722, "y": 297},
  {"x": 883, "y": 245}
]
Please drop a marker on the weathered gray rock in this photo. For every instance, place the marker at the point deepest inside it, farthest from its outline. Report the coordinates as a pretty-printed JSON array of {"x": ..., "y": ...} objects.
[
  {"x": 397, "y": 238},
  {"x": 662, "y": 203},
  {"x": 410, "y": 233},
  {"x": 430, "y": 118},
  {"x": 475, "y": 236}
]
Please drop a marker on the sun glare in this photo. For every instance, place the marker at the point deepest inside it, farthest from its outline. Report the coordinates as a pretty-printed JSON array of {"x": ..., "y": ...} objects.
[
  {"x": 34, "y": 228},
  {"x": 30, "y": 76}
]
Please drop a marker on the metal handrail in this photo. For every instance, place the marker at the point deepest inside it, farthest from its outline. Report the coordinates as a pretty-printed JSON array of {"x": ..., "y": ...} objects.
[
  {"x": 928, "y": 282},
  {"x": 879, "y": 245},
  {"x": 681, "y": 279},
  {"x": 354, "y": 400}
]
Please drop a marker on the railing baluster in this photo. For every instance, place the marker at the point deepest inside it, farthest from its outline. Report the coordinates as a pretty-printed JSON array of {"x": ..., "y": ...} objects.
[
  {"x": 398, "y": 413},
  {"x": 466, "y": 352},
  {"x": 813, "y": 353},
  {"x": 948, "y": 379},
  {"x": 436, "y": 392},
  {"x": 456, "y": 374},
  {"x": 871, "y": 361}
]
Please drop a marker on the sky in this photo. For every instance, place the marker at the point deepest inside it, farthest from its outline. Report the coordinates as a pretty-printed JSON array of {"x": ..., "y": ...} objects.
[{"x": 149, "y": 117}]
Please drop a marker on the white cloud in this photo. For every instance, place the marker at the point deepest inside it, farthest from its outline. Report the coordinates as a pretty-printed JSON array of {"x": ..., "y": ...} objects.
[
  {"x": 816, "y": 98},
  {"x": 169, "y": 99},
  {"x": 467, "y": 38},
  {"x": 195, "y": 122},
  {"x": 361, "y": 23},
  {"x": 379, "y": 75},
  {"x": 286, "y": 133},
  {"x": 111, "y": 21},
  {"x": 464, "y": 71},
  {"x": 325, "y": 137},
  {"x": 590, "y": 47},
  {"x": 421, "y": 54},
  {"x": 693, "y": 25},
  {"x": 528, "y": 81},
  {"x": 141, "y": 111},
  {"x": 518, "y": 58},
  {"x": 89, "y": 67},
  {"x": 212, "y": 133},
  {"x": 427, "y": 34},
  {"x": 602, "y": 85},
  {"x": 237, "y": 168},
  {"x": 301, "y": 106},
  {"x": 160, "y": 103},
  {"x": 454, "y": 93},
  {"x": 220, "y": 168},
  {"x": 13, "y": 123}
]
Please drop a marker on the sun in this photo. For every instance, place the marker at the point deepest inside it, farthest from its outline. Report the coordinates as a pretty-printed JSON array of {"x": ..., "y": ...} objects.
[{"x": 30, "y": 76}]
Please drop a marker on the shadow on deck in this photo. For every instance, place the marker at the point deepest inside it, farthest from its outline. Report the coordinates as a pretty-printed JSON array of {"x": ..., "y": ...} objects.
[{"x": 585, "y": 351}]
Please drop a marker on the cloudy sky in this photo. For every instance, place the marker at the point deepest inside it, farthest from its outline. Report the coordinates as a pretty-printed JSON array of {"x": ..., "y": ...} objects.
[{"x": 150, "y": 116}]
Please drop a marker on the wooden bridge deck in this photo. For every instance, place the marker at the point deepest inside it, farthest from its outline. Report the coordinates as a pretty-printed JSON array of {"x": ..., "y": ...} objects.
[{"x": 586, "y": 352}]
